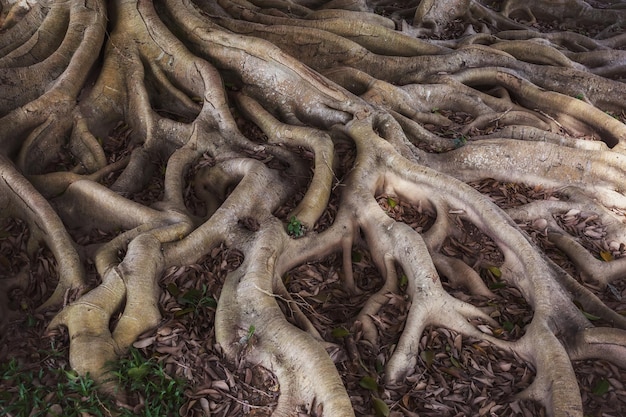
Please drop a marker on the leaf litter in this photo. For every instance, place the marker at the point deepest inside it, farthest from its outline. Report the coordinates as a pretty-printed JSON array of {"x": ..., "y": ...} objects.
[{"x": 452, "y": 376}]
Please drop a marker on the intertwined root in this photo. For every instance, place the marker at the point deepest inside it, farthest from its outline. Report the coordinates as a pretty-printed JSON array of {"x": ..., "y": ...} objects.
[{"x": 424, "y": 118}]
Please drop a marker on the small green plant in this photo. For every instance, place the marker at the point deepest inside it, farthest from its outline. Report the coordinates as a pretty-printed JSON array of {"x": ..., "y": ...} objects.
[
  {"x": 23, "y": 392},
  {"x": 162, "y": 394},
  {"x": 295, "y": 227},
  {"x": 460, "y": 141},
  {"x": 193, "y": 300},
  {"x": 248, "y": 337},
  {"x": 580, "y": 96},
  {"x": 601, "y": 387},
  {"x": 46, "y": 392},
  {"x": 404, "y": 281}
]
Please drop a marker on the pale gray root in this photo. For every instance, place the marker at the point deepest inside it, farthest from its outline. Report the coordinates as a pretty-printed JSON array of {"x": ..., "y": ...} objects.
[
  {"x": 374, "y": 36},
  {"x": 131, "y": 285},
  {"x": 436, "y": 15},
  {"x": 397, "y": 241},
  {"x": 598, "y": 270},
  {"x": 523, "y": 268},
  {"x": 222, "y": 226},
  {"x": 21, "y": 45},
  {"x": 299, "y": 95},
  {"x": 67, "y": 67},
  {"x": 19, "y": 20},
  {"x": 533, "y": 134},
  {"x": 460, "y": 274},
  {"x": 575, "y": 116},
  {"x": 316, "y": 198},
  {"x": 35, "y": 127},
  {"x": 555, "y": 377},
  {"x": 378, "y": 300},
  {"x": 569, "y": 13},
  {"x": 540, "y": 216},
  {"x": 247, "y": 300},
  {"x": 601, "y": 343},
  {"x": 20, "y": 199},
  {"x": 81, "y": 196},
  {"x": 537, "y": 163},
  {"x": 257, "y": 278}
]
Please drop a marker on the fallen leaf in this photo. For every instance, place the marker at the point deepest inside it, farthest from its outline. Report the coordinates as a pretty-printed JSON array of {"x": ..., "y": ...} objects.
[
  {"x": 602, "y": 387},
  {"x": 369, "y": 383},
  {"x": 495, "y": 271},
  {"x": 380, "y": 408},
  {"x": 428, "y": 356},
  {"x": 340, "y": 332},
  {"x": 143, "y": 343},
  {"x": 606, "y": 256}
]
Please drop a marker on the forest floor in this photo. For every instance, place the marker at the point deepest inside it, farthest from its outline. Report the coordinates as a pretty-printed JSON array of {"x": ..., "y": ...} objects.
[{"x": 453, "y": 376}]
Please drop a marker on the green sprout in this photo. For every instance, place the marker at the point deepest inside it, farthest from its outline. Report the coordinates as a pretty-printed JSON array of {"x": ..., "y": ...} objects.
[
  {"x": 146, "y": 377},
  {"x": 295, "y": 227},
  {"x": 193, "y": 300},
  {"x": 247, "y": 339},
  {"x": 460, "y": 141}
]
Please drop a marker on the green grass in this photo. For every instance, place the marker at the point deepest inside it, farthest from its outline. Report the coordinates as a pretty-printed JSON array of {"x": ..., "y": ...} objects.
[
  {"x": 43, "y": 392},
  {"x": 22, "y": 393},
  {"x": 194, "y": 301},
  {"x": 162, "y": 394}
]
